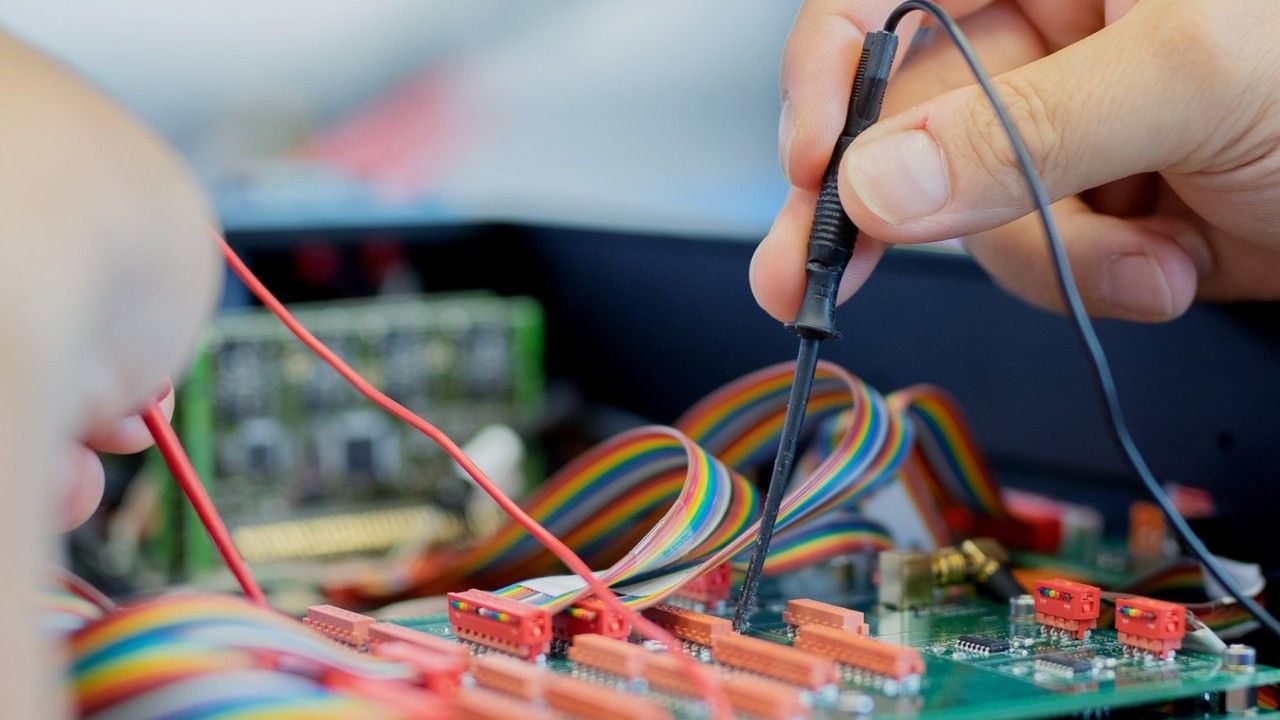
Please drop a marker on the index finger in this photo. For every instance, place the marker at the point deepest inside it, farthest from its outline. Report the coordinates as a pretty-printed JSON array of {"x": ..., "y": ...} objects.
[
  {"x": 128, "y": 434},
  {"x": 818, "y": 65}
]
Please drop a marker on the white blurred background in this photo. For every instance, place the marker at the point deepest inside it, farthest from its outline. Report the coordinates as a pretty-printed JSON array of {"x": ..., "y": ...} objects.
[{"x": 657, "y": 115}]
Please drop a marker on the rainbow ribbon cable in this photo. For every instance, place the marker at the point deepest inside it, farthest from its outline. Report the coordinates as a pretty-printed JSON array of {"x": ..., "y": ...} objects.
[
  {"x": 677, "y": 498},
  {"x": 948, "y": 452},
  {"x": 196, "y": 656},
  {"x": 651, "y": 477},
  {"x": 832, "y": 534},
  {"x": 1269, "y": 697},
  {"x": 712, "y": 507},
  {"x": 740, "y": 424},
  {"x": 868, "y": 443},
  {"x": 820, "y": 537},
  {"x": 1184, "y": 582}
]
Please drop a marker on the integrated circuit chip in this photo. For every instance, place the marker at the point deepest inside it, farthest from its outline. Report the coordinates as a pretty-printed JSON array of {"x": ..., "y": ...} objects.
[
  {"x": 981, "y": 644},
  {"x": 1063, "y": 665}
]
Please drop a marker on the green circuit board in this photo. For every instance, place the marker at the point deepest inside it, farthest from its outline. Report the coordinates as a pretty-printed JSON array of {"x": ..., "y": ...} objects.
[
  {"x": 1009, "y": 685},
  {"x": 302, "y": 467}
]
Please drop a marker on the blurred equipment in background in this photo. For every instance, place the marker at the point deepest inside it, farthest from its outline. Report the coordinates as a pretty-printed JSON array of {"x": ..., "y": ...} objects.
[
  {"x": 352, "y": 113},
  {"x": 303, "y": 469}
]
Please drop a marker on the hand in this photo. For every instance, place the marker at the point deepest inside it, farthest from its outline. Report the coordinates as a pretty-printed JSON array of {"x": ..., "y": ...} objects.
[
  {"x": 110, "y": 269},
  {"x": 1155, "y": 125},
  {"x": 108, "y": 275},
  {"x": 83, "y": 476}
]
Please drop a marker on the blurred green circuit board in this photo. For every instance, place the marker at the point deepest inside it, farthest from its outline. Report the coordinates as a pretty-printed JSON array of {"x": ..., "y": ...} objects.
[
  {"x": 1006, "y": 685},
  {"x": 303, "y": 467}
]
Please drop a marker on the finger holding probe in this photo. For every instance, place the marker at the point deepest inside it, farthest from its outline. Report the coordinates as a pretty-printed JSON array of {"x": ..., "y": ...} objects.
[{"x": 831, "y": 241}]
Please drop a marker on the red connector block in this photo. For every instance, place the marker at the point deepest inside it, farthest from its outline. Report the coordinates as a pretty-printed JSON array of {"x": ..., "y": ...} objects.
[
  {"x": 709, "y": 590},
  {"x": 496, "y": 622},
  {"x": 803, "y": 611},
  {"x": 408, "y": 702},
  {"x": 589, "y": 616},
  {"x": 689, "y": 625},
  {"x": 437, "y": 672},
  {"x": 860, "y": 652},
  {"x": 349, "y": 628},
  {"x": 390, "y": 632},
  {"x": 1068, "y": 606},
  {"x": 1150, "y": 625}
]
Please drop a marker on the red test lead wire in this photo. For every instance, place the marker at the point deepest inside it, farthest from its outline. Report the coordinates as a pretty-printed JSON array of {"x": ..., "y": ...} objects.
[
  {"x": 714, "y": 694},
  {"x": 185, "y": 475}
]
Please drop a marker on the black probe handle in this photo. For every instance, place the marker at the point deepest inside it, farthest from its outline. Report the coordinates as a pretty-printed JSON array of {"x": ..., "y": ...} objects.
[{"x": 832, "y": 237}]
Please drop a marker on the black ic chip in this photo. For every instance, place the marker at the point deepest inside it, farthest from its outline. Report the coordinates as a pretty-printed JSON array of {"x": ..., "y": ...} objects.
[
  {"x": 982, "y": 644},
  {"x": 1063, "y": 664}
]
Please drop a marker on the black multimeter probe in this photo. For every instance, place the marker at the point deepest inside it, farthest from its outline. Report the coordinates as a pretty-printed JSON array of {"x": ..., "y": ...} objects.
[{"x": 831, "y": 242}]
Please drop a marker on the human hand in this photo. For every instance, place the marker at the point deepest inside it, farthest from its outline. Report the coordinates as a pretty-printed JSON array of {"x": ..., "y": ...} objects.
[
  {"x": 110, "y": 271},
  {"x": 83, "y": 476},
  {"x": 1155, "y": 126},
  {"x": 108, "y": 275},
  {"x": 110, "y": 268}
]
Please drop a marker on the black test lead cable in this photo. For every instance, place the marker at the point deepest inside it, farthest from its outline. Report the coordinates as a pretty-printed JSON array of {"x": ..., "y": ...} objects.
[
  {"x": 1084, "y": 327},
  {"x": 831, "y": 241}
]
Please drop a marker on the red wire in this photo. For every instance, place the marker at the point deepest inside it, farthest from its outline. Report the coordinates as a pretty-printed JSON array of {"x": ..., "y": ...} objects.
[
  {"x": 714, "y": 694},
  {"x": 81, "y": 588},
  {"x": 185, "y": 474}
]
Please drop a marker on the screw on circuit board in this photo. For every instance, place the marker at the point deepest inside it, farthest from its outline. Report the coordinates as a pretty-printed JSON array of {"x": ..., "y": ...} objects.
[
  {"x": 1238, "y": 658},
  {"x": 1022, "y": 608}
]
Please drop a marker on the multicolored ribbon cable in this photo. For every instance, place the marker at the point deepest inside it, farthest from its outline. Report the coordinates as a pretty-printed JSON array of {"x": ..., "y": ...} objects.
[
  {"x": 740, "y": 423},
  {"x": 198, "y": 656},
  {"x": 948, "y": 451},
  {"x": 678, "y": 498}
]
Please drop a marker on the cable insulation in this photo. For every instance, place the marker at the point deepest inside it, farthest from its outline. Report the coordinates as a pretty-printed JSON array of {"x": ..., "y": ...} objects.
[{"x": 189, "y": 481}]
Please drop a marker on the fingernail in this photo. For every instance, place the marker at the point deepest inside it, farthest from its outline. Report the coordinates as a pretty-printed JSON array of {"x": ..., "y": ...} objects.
[
  {"x": 1135, "y": 286},
  {"x": 900, "y": 177},
  {"x": 786, "y": 135},
  {"x": 849, "y": 284},
  {"x": 1198, "y": 250}
]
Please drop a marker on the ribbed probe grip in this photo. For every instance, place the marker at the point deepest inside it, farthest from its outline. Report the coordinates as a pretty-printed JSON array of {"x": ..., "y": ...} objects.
[{"x": 833, "y": 235}]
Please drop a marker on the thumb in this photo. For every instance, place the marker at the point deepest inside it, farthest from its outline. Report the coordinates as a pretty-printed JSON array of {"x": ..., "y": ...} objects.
[{"x": 1096, "y": 111}]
